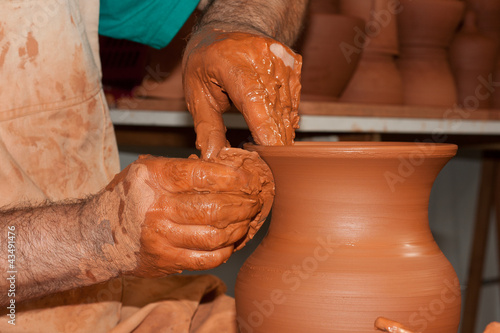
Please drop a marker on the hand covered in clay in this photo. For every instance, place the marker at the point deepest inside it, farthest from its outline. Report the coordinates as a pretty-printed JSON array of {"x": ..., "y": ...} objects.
[
  {"x": 387, "y": 325},
  {"x": 169, "y": 215},
  {"x": 259, "y": 75}
]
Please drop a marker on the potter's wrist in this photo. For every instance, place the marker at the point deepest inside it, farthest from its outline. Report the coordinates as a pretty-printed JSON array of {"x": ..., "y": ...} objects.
[
  {"x": 229, "y": 27},
  {"x": 208, "y": 32},
  {"x": 109, "y": 253}
]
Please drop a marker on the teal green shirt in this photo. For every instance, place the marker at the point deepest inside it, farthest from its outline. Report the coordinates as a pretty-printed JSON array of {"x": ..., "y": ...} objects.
[{"x": 150, "y": 22}]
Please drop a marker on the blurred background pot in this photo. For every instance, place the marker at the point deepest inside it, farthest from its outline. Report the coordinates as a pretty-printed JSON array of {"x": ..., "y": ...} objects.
[
  {"x": 377, "y": 79},
  {"x": 426, "y": 28},
  {"x": 328, "y": 60},
  {"x": 427, "y": 77},
  {"x": 472, "y": 55},
  {"x": 381, "y": 25},
  {"x": 488, "y": 22}
]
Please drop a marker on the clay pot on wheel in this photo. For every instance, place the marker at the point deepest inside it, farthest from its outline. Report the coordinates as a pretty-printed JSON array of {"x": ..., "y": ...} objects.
[
  {"x": 327, "y": 65},
  {"x": 349, "y": 242}
]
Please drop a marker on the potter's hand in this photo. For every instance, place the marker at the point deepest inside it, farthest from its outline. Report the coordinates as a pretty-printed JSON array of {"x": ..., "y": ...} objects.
[
  {"x": 169, "y": 215},
  {"x": 258, "y": 74},
  {"x": 387, "y": 325}
]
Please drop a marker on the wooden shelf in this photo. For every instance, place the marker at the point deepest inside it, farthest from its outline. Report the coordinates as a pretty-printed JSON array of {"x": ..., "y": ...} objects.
[
  {"x": 329, "y": 117},
  {"x": 395, "y": 111}
]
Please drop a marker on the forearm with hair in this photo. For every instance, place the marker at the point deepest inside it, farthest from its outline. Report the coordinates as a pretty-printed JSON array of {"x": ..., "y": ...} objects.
[
  {"x": 58, "y": 246},
  {"x": 279, "y": 19}
]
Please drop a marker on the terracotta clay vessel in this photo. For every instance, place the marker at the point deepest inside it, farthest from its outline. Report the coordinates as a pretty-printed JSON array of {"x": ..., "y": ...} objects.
[
  {"x": 488, "y": 22},
  {"x": 488, "y": 13},
  {"x": 427, "y": 77},
  {"x": 328, "y": 63},
  {"x": 324, "y": 6},
  {"x": 426, "y": 28},
  {"x": 349, "y": 242},
  {"x": 377, "y": 79},
  {"x": 472, "y": 55},
  {"x": 495, "y": 99},
  {"x": 380, "y": 22}
]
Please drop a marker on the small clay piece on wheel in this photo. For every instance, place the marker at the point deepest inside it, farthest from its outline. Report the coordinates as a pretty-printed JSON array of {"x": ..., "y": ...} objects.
[{"x": 387, "y": 325}]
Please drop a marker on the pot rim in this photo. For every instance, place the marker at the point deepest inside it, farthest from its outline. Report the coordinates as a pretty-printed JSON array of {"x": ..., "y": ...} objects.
[{"x": 356, "y": 149}]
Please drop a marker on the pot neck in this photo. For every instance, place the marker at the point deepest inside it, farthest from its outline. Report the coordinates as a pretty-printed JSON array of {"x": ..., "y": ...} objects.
[{"x": 354, "y": 196}]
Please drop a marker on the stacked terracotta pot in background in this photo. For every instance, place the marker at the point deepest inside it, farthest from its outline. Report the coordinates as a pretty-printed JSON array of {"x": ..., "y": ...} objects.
[
  {"x": 377, "y": 80},
  {"x": 328, "y": 63},
  {"x": 473, "y": 58},
  {"x": 426, "y": 29},
  {"x": 424, "y": 53},
  {"x": 390, "y": 52},
  {"x": 488, "y": 23}
]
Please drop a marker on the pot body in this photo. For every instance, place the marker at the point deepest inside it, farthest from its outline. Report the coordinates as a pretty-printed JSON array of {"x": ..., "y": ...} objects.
[{"x": 349, "y": 241}]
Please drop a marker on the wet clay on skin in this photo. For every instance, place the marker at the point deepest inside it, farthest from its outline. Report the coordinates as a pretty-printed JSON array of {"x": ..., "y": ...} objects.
[
  {"x": 259, "y": 75},
  {"x": 387, "y": 325},
  {"x": 169, "y": 215},
  {"x": 349, "y": 242}
]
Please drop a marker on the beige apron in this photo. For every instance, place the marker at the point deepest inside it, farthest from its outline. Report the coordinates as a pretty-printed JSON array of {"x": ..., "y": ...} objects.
[{"x": 57, "y": 142}]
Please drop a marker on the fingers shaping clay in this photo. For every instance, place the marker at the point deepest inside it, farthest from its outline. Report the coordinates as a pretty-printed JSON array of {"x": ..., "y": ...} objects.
[
  {"x": 259, "y": 75},
  {"x": 387, "y": 325}
]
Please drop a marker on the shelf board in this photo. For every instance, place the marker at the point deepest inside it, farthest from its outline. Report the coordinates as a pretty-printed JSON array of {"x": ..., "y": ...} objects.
[
  {"x": 327, "y": 117},
  {"x": 396, "y": 111}
]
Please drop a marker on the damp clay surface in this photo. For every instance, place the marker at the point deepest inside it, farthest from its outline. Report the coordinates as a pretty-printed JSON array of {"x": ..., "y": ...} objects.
[
  {"x": 259, "y": 75},
  {"x": 387, "y": 325},
  {"x": 349, "y": 242}
]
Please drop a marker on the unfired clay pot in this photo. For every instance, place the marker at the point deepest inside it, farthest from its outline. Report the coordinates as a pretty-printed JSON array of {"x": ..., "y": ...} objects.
[
  {"x": 495, "y": 99},
  {"x": 324, "y": 6},
  {"x": 380, "y": 22},
  {"x": 488, "y": 14},
  {"x": 349, "y": 242},
  {"x": 426, "y": 28},
  {"x": 472, "y": 55},
  {"x": 488, "y": 22},
  {"x": 328, "y": 64},
  {"x": 429, "y": 22},
  {"x": 377, "y": 80},
  {"x": 427, "y": 77}
]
